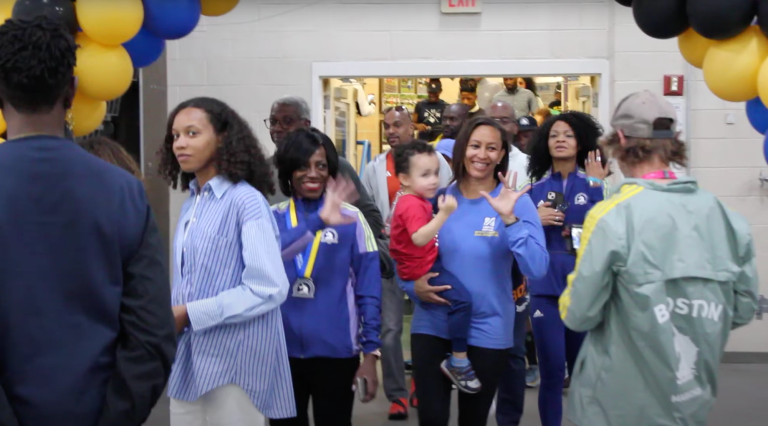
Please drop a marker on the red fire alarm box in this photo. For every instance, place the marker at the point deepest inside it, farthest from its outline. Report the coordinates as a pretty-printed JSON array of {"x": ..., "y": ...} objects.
[{"x": 673, "y": 85}]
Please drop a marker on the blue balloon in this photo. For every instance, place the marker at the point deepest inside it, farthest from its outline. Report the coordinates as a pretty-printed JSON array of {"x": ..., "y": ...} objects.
[
  {"x": 171, "y": 19},
  {"x": 144, "y": 48},
  {"x": 758, "y": 115}
]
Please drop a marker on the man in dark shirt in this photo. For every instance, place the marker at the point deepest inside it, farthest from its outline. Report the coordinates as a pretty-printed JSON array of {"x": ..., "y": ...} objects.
[
  {"x": 86, "y": 330},
  {"x": 428, "y": 115}
]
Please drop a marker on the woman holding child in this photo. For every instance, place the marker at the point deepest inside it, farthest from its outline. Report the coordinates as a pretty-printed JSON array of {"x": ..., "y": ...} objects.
[{"x": 492, "y": 227}]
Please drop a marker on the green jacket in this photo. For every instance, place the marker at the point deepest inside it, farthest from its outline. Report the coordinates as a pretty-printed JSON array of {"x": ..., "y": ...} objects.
[{"x": 663, "y": 275}]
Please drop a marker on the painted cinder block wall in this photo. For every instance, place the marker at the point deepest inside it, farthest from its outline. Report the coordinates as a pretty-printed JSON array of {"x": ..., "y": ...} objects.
[{"x": 265, "y": 49}]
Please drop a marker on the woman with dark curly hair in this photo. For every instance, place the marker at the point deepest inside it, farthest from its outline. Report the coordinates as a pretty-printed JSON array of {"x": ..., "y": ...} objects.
[
  {"x": 232, "y": 365},
  {"x": 568, "y": 172}
]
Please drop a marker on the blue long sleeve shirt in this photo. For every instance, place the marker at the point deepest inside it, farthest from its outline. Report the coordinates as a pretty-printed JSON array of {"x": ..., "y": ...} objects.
[
  {"x": 479, "y": 249},
  {"x": 344, "y": 317},
  {"x": 581, "y": 197},
  {"x": 225, "y": 249}
]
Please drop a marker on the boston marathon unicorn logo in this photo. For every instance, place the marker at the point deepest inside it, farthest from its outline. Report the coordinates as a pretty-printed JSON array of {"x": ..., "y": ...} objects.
[{"x": 687, "y": 354}]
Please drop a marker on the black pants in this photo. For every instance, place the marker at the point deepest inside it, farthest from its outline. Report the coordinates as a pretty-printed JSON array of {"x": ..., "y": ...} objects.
[
  {"x": 328, "y": 381},
  {"x": 434, "y": 389}
]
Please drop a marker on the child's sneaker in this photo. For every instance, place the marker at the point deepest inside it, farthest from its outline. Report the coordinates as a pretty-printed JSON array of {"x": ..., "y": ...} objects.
[
  {"x": 532, "y": 376},
  {"x": 463, "y": 377}
]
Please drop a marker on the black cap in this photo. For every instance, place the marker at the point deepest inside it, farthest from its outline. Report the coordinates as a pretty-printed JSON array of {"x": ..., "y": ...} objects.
[
  {"x": 527, "y": 123},
  {"x": 434, "y": 86}
]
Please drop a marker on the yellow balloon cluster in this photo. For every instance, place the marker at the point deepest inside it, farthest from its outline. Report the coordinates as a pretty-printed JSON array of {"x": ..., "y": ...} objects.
[{"x": 735, "y": 69}]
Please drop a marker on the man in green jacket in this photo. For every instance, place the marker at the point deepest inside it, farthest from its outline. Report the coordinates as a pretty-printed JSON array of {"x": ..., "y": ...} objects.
[{"x": 664, "y": 272}]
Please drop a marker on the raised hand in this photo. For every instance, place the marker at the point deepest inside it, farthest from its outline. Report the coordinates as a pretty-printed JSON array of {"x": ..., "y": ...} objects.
[
  {"x": 505, "y": 202},
  {"x": 447, "y": 204},
  {"x": 337, "y": 192},
  {"x": 595, "y": 167}
]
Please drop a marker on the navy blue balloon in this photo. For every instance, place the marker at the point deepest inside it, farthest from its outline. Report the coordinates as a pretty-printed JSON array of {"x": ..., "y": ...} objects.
[
  {"x": 144, "y": 48},
  {"x": 171, "y": 19},
  {"x": 758, "y": 115}
]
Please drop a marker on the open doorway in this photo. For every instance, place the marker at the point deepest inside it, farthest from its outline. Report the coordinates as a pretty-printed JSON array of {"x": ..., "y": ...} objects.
[{"x": 349, "y": 99}]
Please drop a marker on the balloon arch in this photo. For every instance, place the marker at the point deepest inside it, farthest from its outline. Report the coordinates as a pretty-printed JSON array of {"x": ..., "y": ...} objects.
[
  {"x": 115, "y": 37},
  {"x": 726, "y": 39}
]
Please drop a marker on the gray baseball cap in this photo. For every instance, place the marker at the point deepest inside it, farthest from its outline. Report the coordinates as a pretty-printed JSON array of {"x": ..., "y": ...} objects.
[{"x": 636, "y": 114}]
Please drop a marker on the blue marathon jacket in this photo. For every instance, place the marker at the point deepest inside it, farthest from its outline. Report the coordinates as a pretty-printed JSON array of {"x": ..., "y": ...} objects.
[
  {"x": 581, "y": 197},
  {"x": 344, "y": 317}
]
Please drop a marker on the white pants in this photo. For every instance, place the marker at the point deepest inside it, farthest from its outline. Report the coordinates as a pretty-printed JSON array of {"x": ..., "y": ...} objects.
[{"x": 225, "y": 406}]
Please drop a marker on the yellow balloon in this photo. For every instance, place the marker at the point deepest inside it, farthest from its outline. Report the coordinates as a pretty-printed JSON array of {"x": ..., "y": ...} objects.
[
  {"x": 731, "y": 66},
  {"x": 6, "y": 8},
  {"x": 694, "y": 47},
  {"x": 87, "y": 114},
  {"x": 217, "y": 7},
  {"x": 2, "y": 140},
  {"x": 3, "y": 124},
  {"x": 103, "y": 72},
  {"x": 110, "y": 22}
]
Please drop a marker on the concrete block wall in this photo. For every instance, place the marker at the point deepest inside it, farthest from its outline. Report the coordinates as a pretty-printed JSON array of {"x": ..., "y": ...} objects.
[{"x": 265, "y": 49}]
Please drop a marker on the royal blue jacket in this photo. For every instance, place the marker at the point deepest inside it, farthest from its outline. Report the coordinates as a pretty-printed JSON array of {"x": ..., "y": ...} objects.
[
  {"x": 581, "y": 197},
  {"x": 344, "y": 317}
]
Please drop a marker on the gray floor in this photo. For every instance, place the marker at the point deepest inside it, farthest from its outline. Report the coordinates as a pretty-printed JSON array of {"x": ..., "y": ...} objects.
[{"x": 743, "y": 401}]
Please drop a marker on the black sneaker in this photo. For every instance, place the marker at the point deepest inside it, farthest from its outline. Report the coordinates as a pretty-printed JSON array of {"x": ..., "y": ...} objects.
[{"x": 463, "y": 377}]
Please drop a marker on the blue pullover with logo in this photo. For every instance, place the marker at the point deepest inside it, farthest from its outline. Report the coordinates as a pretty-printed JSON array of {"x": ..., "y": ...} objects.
[
  {"x": 344, "y": 316},
  {"x": 581, "y": 197}
]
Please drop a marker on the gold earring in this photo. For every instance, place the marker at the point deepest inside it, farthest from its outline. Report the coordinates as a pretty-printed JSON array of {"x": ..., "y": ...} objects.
[{"x": 70, "y": 120}]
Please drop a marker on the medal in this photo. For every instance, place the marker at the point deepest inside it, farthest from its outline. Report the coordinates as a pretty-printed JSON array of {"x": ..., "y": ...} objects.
[{"x": 303, "y": 287}]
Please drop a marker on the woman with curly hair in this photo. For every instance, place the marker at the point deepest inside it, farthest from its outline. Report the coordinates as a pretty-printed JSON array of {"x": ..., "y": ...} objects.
[
  {"x": 568, "y": 172},
  {"x": 232, "y": 365}
]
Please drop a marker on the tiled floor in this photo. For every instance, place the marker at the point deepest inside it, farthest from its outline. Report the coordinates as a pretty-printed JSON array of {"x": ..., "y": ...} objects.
[{"x": 743, "y": 401}]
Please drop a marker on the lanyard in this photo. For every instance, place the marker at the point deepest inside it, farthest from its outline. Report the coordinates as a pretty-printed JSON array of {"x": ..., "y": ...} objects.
[
  {"x": 660, "y": 174},
  {"x": 310, "y": 254}
]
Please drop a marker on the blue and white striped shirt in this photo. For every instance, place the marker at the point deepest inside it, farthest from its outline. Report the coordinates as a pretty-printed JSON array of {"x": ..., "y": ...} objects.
[{"x": 227, "y": 272}]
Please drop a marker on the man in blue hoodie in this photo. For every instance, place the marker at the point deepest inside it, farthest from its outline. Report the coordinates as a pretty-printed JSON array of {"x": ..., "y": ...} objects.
[{"x": 86, "y": 330}]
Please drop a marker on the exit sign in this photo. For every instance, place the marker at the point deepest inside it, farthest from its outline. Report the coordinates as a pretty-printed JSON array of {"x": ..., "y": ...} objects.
[{"x": 462, "y": 6}]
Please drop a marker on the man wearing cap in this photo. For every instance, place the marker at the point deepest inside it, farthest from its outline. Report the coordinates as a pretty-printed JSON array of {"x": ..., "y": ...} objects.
[
  {"x": 428, "y": 115},
  {"x": 522, "y": 100},
  {"x": 455, "y": 117},
  {"x": 381, "y": 182},
  {"x": 527, "y": 126},
  {"x": 665, "y": 271}
]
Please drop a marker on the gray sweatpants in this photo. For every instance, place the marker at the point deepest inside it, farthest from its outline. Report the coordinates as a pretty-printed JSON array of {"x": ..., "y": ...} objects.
[{"x": 392, "y": 363}]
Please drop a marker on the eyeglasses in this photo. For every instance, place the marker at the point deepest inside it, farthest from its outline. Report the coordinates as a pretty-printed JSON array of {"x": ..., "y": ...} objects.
[
  {"x": 503, "y": 120},
  {"x": 285, "y": 124}
]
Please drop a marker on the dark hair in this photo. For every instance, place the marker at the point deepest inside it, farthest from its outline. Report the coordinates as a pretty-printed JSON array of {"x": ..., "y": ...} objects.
[
  {"x": 296, "y": 150},
  {"x": 404, "y": 153},
  {"x": 37, "y": 62},
  {"x": 530, "y": 85},
  {"x": 239, "y": 156},
  {"x": 112, "y": 152},
  {"x": 638, "y": 150},
  {"x": 586, "y": 130},
  {"x": 462, "y": 142}
]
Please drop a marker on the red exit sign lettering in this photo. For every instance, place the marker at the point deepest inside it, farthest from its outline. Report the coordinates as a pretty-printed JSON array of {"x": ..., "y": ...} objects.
[{"x": 461, "y": 6}]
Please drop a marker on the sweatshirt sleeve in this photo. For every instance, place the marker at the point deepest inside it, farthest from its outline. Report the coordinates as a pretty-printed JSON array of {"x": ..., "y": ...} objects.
[
  {"x": 526, "y": 240},
  {"x": 365, "y": 264},
  {"x": 590, "y": 284},
  {"x": 294, "y": 240},
  {"x": 364, "y": 201}
]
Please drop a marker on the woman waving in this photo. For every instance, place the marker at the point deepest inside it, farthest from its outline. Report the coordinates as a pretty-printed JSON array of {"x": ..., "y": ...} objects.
[
  {"x": 333, "y": 309},
  {"x": 568, "y": 172},
  {"x": 493, "y": 227}
]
